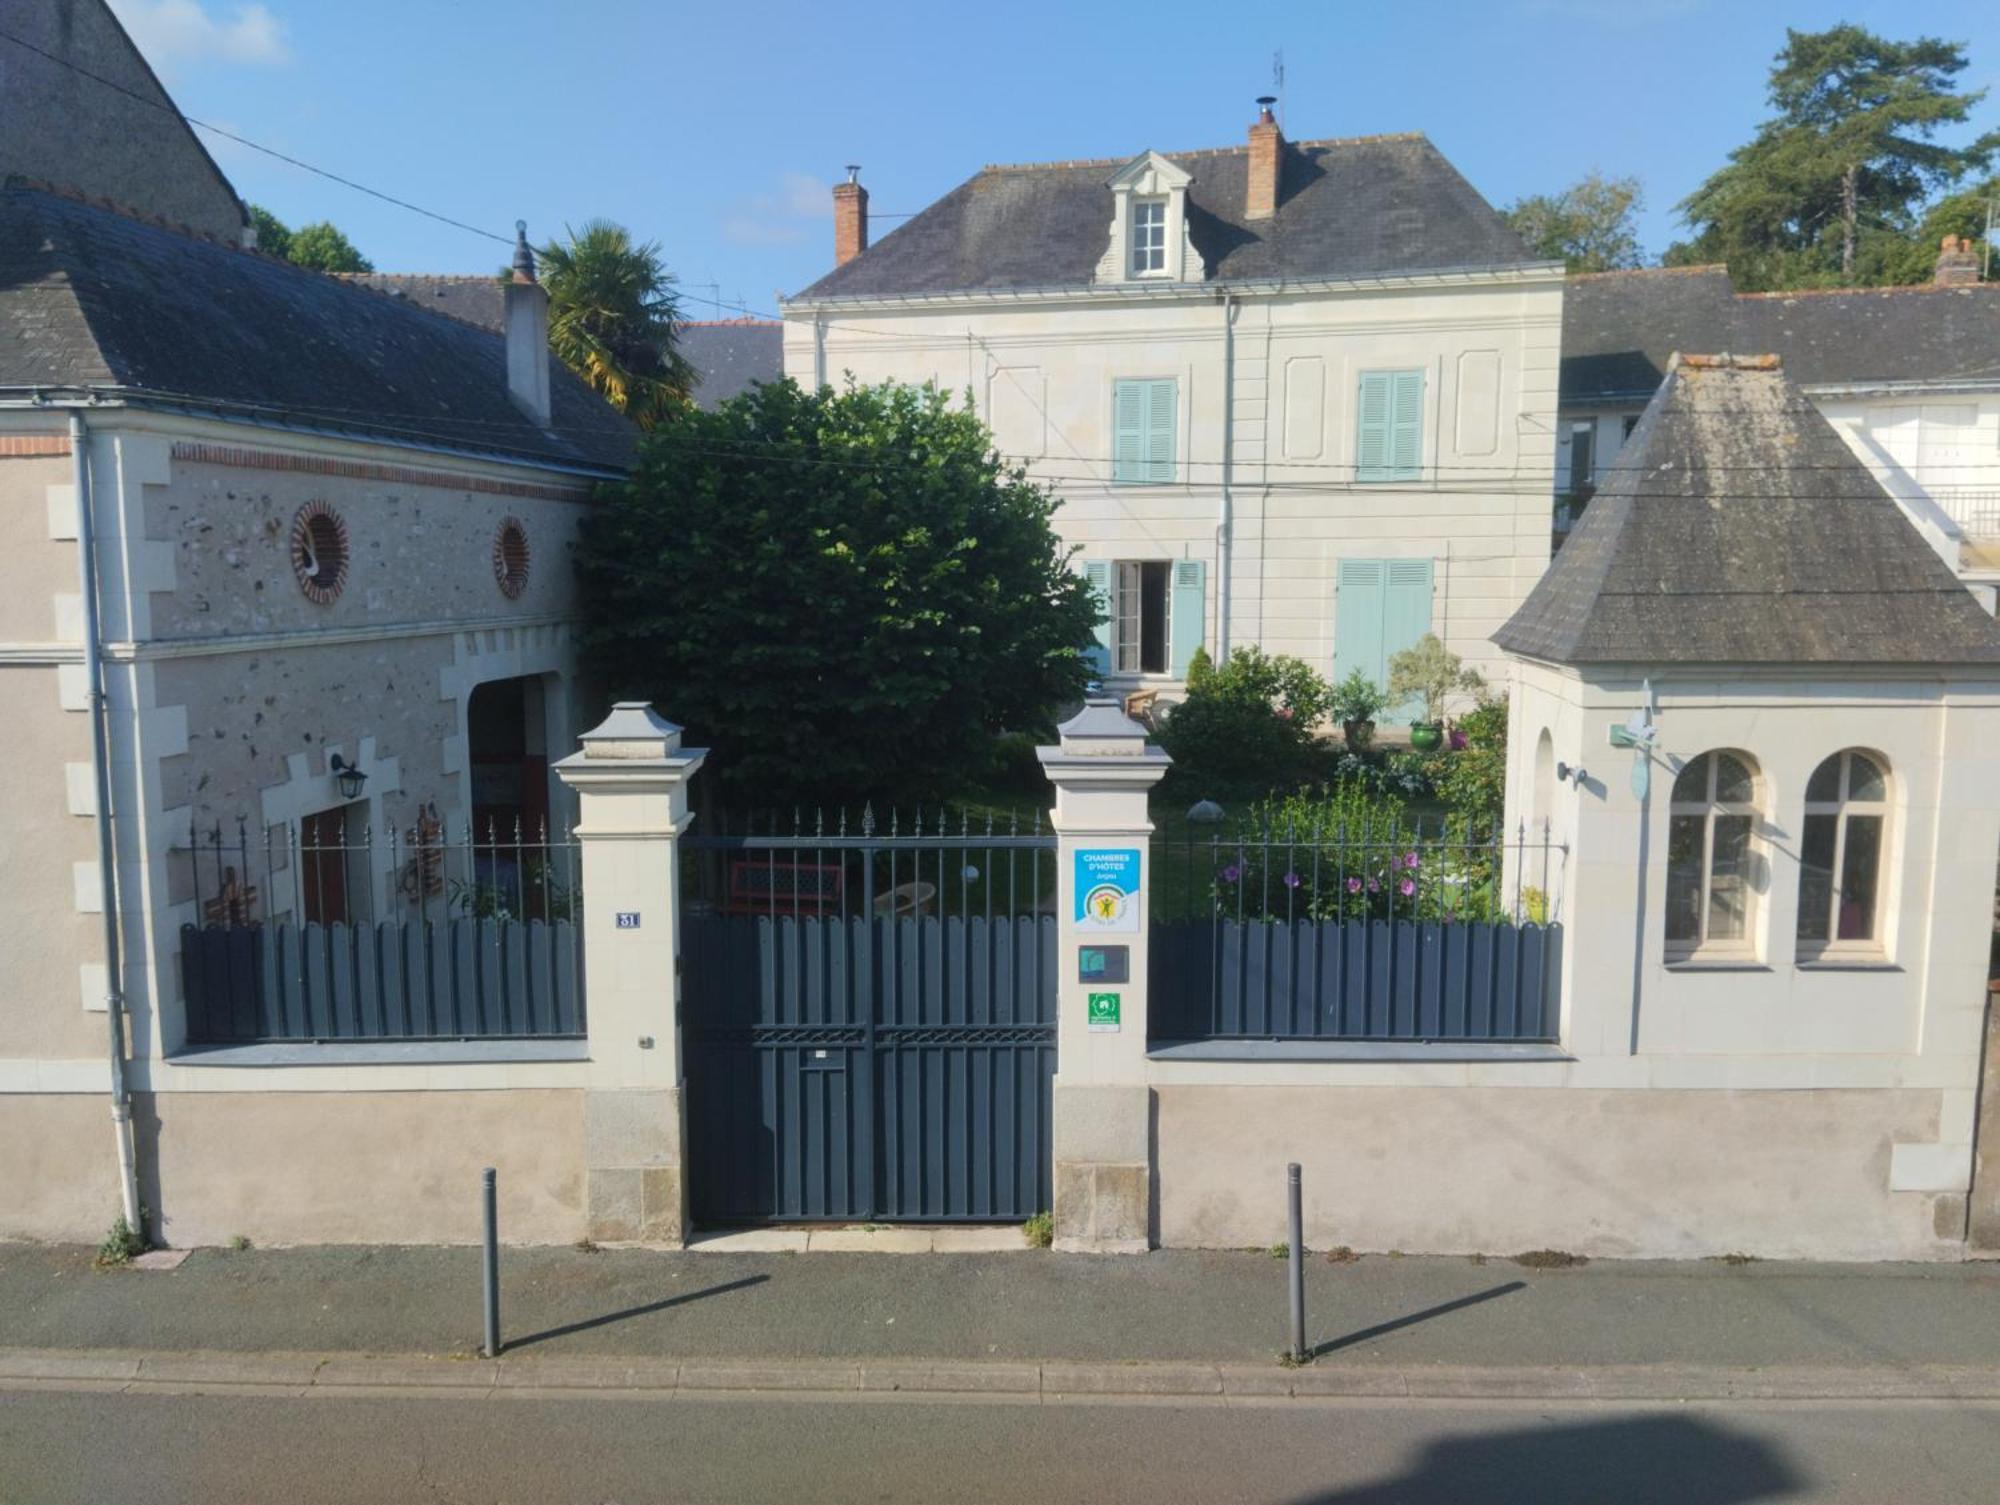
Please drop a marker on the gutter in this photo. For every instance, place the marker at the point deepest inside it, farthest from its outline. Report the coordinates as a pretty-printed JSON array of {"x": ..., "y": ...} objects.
[
  {"x": 1225, "y": 521},
  {"x": 49, "y": 395},
  {"x": 107, "y": 857},
  {"x": 1516, "y": 272}
]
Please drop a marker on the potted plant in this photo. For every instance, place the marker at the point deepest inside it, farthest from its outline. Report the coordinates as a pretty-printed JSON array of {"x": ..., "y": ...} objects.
[
  {"x": 1432, "y": 673},
  {"x": 1357, "y": 701}
]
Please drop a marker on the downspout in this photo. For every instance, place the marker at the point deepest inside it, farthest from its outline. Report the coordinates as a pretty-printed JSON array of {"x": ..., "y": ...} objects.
[
  {"x": 819, "y": 348},
  {"x": 1225, "y": 521},
  {"x": 107, "y": 870}
]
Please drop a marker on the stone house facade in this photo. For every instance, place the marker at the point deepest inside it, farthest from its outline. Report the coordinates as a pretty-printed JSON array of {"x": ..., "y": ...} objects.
[{"x": 1296, "y": 394}]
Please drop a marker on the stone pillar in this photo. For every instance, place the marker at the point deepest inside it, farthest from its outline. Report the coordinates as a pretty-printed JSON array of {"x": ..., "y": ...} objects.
[
  {"x": 631, "y": 780},
  {"x": 1103, "y": 771}
]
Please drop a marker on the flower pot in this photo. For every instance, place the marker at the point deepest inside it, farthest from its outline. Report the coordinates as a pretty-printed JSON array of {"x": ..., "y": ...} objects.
[
  {"x": 1426, "y": 736},
  {"x": 1359, "y": 732}
]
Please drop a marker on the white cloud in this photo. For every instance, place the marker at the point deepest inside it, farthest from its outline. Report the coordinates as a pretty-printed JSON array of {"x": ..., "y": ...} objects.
[
  {"x": 172, "y": 32},
  {"x": 782, "y": 217}
]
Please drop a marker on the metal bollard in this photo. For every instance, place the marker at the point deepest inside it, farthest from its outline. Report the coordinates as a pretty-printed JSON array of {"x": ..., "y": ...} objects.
[
  {"x": 1298, "y": 1265},
  {"x": 490, "y": 1261}
]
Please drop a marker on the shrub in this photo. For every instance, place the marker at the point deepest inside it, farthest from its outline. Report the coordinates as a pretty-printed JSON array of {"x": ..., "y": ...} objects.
[
  {"x": 1432, "y": 672},
  {"x": 842, "y": 593},
  {"x": 1473, "y": 779},
  {"x": 1039, "y": 1231},
  {"x": 1248, "y": 724},
  {"x": 121, "y": 1246},
  {"x": 1358, "y": 698}
]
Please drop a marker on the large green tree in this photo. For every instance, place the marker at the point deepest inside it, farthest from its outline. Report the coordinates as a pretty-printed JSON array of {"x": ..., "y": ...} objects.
[
  {"x": 612, "y": 316},
  {"x": 321, "y": 246},
  {"x": 846, "y": 594},
  {"x": 1833, "y": 186},
  {"x": 1590, "y": 226}
]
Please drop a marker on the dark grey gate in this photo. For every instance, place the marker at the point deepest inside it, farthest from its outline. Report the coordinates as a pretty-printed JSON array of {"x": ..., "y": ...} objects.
[{"x": 869, "y": 1019}]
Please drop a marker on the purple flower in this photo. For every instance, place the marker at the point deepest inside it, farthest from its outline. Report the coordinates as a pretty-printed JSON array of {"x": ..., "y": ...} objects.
[
  {"x": 1231, "y": 873},
  {"x": 1459, "y": 741},
  {"x": 1409, "y": 859},
  {"x": 1373, "y": 886},
  {"x": 1408, "y": 887},
  {"x": 1291, "y": 880},
  {"x": 1354, "y": 885}
]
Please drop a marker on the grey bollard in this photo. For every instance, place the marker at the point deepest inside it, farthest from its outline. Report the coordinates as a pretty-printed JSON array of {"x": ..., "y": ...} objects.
[
  {"x": 1298, "y": 1265},
  {"x": 490, "y": 1261}
]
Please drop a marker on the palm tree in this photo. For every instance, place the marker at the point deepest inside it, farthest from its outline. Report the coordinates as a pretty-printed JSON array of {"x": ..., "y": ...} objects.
[{"x": 611, "y": 320}]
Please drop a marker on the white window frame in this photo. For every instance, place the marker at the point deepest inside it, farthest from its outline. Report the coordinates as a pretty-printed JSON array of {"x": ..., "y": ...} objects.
[
  {"x": 1843, "y": 808},
  {"x": 1701, "y": 948},
  {"x": 1147, "y": 239},
  {"x": 1120, "y": 616}
]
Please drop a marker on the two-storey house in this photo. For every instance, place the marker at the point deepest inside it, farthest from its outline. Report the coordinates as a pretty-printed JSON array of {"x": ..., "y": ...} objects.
[{"x": 1295, "y": 394}]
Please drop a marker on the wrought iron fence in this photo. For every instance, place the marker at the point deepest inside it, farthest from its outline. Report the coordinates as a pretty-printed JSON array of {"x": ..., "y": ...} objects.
[
  {"x": 1386, "y": 930},
  {"x": 857, "y": 865},
  {"x": 329, "y": 929}
]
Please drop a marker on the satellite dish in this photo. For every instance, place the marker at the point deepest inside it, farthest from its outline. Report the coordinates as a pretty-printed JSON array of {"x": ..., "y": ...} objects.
[{"x": 1641, "y": 733}]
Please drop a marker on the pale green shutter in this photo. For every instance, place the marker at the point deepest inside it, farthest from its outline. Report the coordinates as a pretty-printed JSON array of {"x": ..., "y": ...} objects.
[
  {"x": 1187, "y": 612},
  {"x": 1371, "y": 444},
  {"x": 1406, "y": 617},
  {"x": 1143, "y": 422},
  {"x": 1098, "y": 573},
  {"x": 1406, "y": 425},
  {"x": 1389, "y": 436},
  {"x": 1381, "y": 607},
  {"x": 1161, "y": 406},
  {"x": 1357, "y": 618},
  {"x": 1128, "y": 451}
]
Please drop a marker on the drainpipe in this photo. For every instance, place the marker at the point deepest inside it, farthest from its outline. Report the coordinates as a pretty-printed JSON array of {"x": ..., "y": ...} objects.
[
  {"x": 819, "y": 349},
  {"x": 1225, "y": 521},
  {"x": 107, "y": 870}
]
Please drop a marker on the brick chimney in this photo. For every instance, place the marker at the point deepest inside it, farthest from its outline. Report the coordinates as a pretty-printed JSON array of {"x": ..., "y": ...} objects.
[
  {"x": 1957, "y": 263},
  {"x": 1267, "y": 153},
  {"x": 527, "y": 334},
  {"x": 850, "y": 217}
]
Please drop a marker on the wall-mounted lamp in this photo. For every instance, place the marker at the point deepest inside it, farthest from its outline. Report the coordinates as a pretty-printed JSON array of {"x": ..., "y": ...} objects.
[
  {"x": 1569, "y": 774},
  {"x": 348, "y": 777}
]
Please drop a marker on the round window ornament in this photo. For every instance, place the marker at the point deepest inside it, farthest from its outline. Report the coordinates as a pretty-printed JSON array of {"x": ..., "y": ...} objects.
[
  {"x": 319, "y": 552},
  {"x": 510, "y": 557}
]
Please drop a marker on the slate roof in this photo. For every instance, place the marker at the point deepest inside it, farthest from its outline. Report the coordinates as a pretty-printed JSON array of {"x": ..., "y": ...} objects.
[
  {"x": 1359, "y": 207},
  {"x": 731, "y": 354},
  {"x": 1737, "y": 528},
  {"x": 471, "y": 298},
  {"x": 93, "y": 297},
  {"x": 1619, "y": 328}
]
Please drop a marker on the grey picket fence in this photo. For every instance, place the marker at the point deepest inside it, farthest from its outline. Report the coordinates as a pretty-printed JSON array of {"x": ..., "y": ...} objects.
[
  {"x": 462, "y": 978},
  {"x": 1375, "y": 980}
]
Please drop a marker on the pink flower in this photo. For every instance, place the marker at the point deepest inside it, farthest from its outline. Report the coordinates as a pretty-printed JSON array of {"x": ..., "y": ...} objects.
[
  {"x": 1373, "y": 886},
  {"x": 1354, "y": 885},
  {"x": 1409, "y": 859},
  {"x": 1231, "y": 873},
  {"x": 1285, "y": 712},
  {"x": 1408, "y": 887},
  {"x": 1291, "y": 880}
]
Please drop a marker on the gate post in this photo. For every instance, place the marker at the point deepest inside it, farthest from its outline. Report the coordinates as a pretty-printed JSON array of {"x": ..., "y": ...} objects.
[
  {"x": 1103, "y": 770},
  {"x": 631, "y": 780}
]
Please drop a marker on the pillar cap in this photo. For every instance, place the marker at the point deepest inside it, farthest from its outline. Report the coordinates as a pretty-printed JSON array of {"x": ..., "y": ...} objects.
[
  {"x": 1102, "y": 729},
  {"x": 633, "y": 730}
]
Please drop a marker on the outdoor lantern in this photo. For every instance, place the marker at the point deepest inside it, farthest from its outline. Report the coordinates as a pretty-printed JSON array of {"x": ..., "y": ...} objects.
[{"x": 348, "y": 777}]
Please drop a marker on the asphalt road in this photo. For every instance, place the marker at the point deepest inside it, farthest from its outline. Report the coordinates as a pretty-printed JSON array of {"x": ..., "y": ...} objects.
[{"x": 221, "y": 1449}]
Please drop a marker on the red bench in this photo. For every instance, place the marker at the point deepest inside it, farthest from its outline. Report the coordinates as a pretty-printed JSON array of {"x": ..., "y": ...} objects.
[{"x": 760, "y": 886}]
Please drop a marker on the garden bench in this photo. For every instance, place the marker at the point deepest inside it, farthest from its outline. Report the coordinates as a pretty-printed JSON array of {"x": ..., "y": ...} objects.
[{"x": 757, "y": 886}]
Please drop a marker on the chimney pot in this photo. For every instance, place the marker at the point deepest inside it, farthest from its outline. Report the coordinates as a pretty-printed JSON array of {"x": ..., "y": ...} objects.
[
  {"x": 850, "y": 217},
  {"x": 527, "y": 334},
  {"x": 1266, "y": 166},
  {"x": 1957, "y": 263}
]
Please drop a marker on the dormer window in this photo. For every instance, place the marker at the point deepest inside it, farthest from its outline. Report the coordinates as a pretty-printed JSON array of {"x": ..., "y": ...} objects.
[
  {"x": 1149, "y": 225},
  {"x": 1149, "y": 237}
]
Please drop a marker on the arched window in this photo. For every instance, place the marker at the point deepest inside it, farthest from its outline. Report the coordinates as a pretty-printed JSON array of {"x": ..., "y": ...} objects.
[
  {"x": 1711, "y": 890},
  {"x": 1841, "y": 855}
]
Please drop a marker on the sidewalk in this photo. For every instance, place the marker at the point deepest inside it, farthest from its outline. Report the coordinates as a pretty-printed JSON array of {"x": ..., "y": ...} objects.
[{"x": 1180, "y": 1307}]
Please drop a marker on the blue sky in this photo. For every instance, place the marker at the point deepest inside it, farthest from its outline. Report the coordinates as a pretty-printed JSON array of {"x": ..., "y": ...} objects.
[{"x": 717, "y": 129}]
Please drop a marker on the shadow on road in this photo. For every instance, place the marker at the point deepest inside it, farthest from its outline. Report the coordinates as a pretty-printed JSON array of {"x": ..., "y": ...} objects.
[
  {"x": 682, "y": 1299},
  {"x": 1646, "y": 1460},
  {"x": 1348, "y": 1340}
]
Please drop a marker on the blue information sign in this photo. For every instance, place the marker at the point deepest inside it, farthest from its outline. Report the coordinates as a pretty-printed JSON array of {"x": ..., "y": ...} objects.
[{"x": 1107, "y": 890}]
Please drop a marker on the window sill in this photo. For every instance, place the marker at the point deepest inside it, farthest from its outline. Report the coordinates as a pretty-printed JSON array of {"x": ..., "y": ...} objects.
[
  {"x": 384, "y": 1053},
  {"x": 1717, "y": 964},
  {"x": 1846, "y": 964},
  {"x": 1432, "y": 1051}
]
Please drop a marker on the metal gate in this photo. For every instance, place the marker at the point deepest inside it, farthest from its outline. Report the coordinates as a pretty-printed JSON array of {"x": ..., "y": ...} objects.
[{"x": 869, "y": 1019}]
